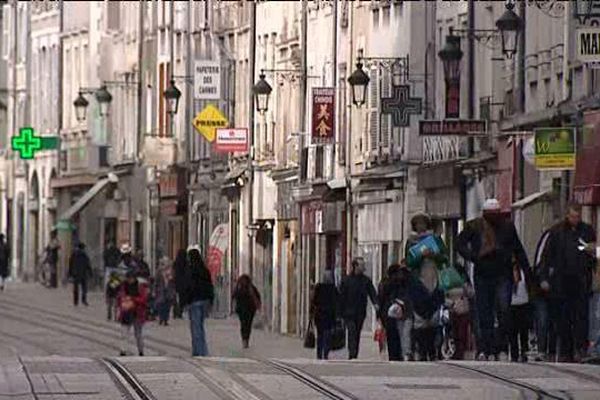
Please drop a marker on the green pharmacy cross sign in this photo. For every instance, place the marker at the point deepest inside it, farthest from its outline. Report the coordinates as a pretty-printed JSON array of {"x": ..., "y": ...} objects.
[{"x": 27, "y": 143}]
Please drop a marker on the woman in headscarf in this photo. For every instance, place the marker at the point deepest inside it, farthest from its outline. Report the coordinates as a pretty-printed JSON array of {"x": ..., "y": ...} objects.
[
  {"x": 165, "y": 291},
  {"x": 323, "y": 312},
  {"x": 198, "y": 296},
  {"x": 247, "y": 302}
]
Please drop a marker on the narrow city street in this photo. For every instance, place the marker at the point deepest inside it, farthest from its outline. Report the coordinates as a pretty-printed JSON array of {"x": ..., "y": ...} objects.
[{"x": 51, "y": 350}]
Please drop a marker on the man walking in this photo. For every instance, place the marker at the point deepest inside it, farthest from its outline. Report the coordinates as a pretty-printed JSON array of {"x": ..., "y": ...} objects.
[
  {"x": 112, "y": 258},
  {"x": 570, "y": 263},
  {"x": 354, "y": 291},
  {"x": 490, "y": 243},
  {"x": 4, "y": 261},
  {"x": 52, "y": 257},
  {"x": 80, "y": 269}
]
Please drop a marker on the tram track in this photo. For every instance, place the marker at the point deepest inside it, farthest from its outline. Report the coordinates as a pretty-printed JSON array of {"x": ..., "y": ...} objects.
[{"x": 125, "y": 381}]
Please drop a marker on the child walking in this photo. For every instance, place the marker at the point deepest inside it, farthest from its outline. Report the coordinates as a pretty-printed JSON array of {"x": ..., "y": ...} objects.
[{"x": 133, "y": 305}]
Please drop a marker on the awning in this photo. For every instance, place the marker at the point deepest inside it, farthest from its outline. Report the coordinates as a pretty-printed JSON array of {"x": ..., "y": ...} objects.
[
  {"x": 84, "y": 200},
  {"x": 532, "y": 198},
  {"x": 586, "y": 188}
]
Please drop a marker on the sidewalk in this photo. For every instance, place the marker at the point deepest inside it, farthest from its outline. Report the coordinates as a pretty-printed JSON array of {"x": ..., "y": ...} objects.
[{"x": 223, "y": 334}]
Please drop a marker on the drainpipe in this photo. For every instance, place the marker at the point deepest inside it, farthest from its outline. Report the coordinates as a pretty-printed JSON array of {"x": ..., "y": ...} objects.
[
  {"x": 521, "y": 78},
  {"x": 138, "y": 142},
  {"x": 251, "y": 117}
]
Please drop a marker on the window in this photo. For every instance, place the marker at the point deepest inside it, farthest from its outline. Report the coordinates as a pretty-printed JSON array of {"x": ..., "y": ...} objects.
[
  {"x": 376, "y": 18},
  {"x": 139, "y": 235},
  {"x": 6, "y": 29},
  {"x": 113, "y": 15},
  {"x": 386, "y": 16},
  {"x": 319, "y": 164}
]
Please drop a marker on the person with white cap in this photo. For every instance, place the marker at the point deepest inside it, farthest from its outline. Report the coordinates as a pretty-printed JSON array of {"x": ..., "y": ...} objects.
[{"x": 490, "y": 243}]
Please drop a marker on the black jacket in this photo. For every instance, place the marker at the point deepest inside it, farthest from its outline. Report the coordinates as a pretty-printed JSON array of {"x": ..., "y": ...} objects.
[
  {"x": 198, "y": 288},
  {"x": 390, "y": 289},
  {"x": 499, "y": 262},
  {"x": 112, "y": 257},
  {"x": 246, "y": 302},
  {"x": 4, "y": 260},
  {"x": 80, "y": 267},
  {"x": 324, "y": 304},
  {"x": 424, "y": 303},
  {"x": 354, "y": 291}
]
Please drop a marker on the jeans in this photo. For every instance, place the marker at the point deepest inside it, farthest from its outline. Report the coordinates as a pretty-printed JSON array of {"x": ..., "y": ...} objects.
[
  {"x": 76, "y": 285},
  {"x": 394, "y": 340},
  {"x": 198, "y": 312},
  {"x": 493, "y": 296},
  {"x": 519, "y": 330},
  {"x": 126, "y": 337},
  {"x": 164, "y": 310},
  {"x": 573, "y": 317},
  {"x": 354, "y": 326},
  {"x": 540, "y": 307},
  {"x": 323, "y": 342},
  {"x": 246, "y": 319}
]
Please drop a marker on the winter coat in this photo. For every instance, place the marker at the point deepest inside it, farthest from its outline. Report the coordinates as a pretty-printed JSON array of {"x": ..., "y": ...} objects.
[
  {"x": 80, "y": 267},
  {"x": 564, "y": 259},
  {"x": 164, "y": 287},
  {"x": 424, "y": 302},
  {"x": 354, "y": 291},
  {"x": 137, "y": 293},
  {"x": 394, "y": 288},
  {"x": 246, "y": 302},
  {"x": 4, "y": 260},
  {"x": 324, "y": 305},
  {"x": 112, "y": 257},
  {"x": 198, "y": 288},
  {"x": 498, "y": 261}
]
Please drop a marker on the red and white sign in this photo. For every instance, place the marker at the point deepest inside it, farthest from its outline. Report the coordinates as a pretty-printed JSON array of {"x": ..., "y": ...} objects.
[
  {"x": 231, "y": 140},
  {"x": 217, "y": 250}
]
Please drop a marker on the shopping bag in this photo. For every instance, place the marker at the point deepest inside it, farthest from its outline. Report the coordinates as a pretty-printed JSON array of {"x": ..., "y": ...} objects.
[
  {"x": 338, "y": 336},
  {"x": 379, "y": 337},
  {"x": 309, "y": 337},
  {"x": 450, "y": 279},
  {"x": 415, "y": 253}
]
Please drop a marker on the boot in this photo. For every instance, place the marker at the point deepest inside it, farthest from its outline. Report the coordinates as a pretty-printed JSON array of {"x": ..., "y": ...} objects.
[{"x": 245, "y": 343}]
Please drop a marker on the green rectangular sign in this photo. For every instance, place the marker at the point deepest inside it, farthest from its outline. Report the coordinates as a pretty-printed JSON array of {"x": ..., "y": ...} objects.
[{"x": 555, "y": 148}]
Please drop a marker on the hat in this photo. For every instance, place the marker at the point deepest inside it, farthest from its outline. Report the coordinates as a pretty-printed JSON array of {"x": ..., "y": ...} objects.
[
  {"x": 491, "y": 205},
  {"x": 194, "y": 247},
  {"x": 125, "y": 248}
]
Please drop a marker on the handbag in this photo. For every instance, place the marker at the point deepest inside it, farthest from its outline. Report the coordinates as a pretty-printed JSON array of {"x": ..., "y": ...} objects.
[
  {"x": 397, "y": 310},
  {"x": 450, "y": 279},
  {"x": 309, "y": 337},
  {"x": 338, "y": 336}
]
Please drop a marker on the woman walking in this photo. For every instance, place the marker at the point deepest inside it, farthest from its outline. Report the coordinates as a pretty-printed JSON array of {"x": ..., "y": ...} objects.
[
  {"x": 165, "y": 292},
  {"x": 323, "y": 312},
  {"x": 247, "y": 302},
  {"x": 180, "y": 268},
  {"x": 198, "y": 296},
  {"x": 132, "y": 308}
]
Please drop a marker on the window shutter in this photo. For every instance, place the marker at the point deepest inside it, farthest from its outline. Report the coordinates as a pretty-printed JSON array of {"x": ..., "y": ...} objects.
[
  {"x": 7, "y": 22},
  {"x": 327, "y": 162},
  {"x": 312, "y": 152},
  {"x": 374, "y": 112},
  {"x": 386, "y": 123}
]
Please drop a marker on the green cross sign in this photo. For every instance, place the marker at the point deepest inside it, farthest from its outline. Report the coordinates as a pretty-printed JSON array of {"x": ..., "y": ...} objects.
[{"x": 27, "y": 143}]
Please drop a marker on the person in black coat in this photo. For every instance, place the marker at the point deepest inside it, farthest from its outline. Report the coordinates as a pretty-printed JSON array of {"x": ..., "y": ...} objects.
[
  {"x": 80, "y": 269},
  {"x": 4, "y": 261},
  {"x": 198, "y": 295},
  {"x": 180, "y": 268},
  {"x": 323, "y": 313},
  {"x": 247, "y": 302},
  {"x": 354, "y": 291},
  {"x": 394, "y": 291}
]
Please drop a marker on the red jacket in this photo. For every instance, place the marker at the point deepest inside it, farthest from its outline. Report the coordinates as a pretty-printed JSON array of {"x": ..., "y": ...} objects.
[{"x": 141, "y": 302}]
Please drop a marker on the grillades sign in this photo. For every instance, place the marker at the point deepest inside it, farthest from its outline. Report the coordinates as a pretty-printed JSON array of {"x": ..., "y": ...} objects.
[
  {"x": 458, "y": 127},
  {"x": 323, "y": 115}
]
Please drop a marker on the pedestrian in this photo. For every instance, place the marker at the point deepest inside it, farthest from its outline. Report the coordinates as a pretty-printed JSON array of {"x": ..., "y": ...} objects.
[
  {"x": 568, "y": 277},
  {"x": 52, "y": 257},
  {"x": 395, "y": 312},
  {"x": 519, "y": 317},
  {"x": 4, "y": 261},
  {"x": 247, "y": 303},
  {"x": 164, "y": 291},
  {"x": 323, "y": 312},
  {"x": 198, "y": 296},
  {"x": 133, "y": 307},
  {"x": 180, "y": 270},
  {"x": 111, "y": 257},
  {"x": 111, "y": 292},
  {"x": 354, "y": 291},
  {"x": 128, "y": 262},
  {"x": 80, "y": 270},
  {"x": 490, "y": 243},
  {"x": 143, "y": 269}
]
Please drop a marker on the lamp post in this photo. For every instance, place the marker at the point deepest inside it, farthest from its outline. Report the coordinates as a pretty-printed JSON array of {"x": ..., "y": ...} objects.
[
  {"x": 510, "y": 26},
  {"x": 359, "y": 80},
  {"x": 172, "y": 94},
  {"x": 262, "y": 91},
  {"x": 103, "y": 97}
]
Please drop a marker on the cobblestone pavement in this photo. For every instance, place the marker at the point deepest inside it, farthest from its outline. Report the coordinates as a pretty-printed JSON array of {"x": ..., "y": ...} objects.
[{"x": 52, "y": 350}]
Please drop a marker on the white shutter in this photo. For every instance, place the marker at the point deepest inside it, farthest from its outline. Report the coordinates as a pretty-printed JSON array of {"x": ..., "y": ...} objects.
[
  {"x": 312, "y": 158},
  {"x": 374, "y": 112},
  {"x": 7, "y": 24},
  {"x": 386, "y": 123},
  {"x": 327, "y": 164}
]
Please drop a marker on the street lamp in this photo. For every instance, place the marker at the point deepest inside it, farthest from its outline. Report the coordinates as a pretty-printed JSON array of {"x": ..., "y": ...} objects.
[
  {"x": 103, "y": 97},
  {"x": 80, "y": 104},
  {"x": 172, "y": 95},
  {"x": 359, "y": 81},
  {"x": 451, "y": 55},
  {"x": 509, "y": 25},
  {"x": 262, "y": 90}
]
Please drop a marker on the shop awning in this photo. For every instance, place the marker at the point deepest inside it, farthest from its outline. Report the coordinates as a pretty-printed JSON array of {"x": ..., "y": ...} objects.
[
  {"x": 586, "y": 188},
  {"x": 84, "y": 200}
]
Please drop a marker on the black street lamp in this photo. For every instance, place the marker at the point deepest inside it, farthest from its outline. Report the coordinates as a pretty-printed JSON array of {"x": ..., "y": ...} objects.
[
  {"x": 359, "y": 81},
  {"x": 509, "y": 25},
  {"x": 81, "y": 105},
  {"x": 172, "y": 95},
  {"x": 104, "y": 98},
  {"x": 262, "y": 90},
  {"x": 451, "y": 55}
]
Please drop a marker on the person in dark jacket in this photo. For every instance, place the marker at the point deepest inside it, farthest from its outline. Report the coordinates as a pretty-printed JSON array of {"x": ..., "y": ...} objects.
[
  {"x": 354, "y": 291},
  {"x": 571, "y": 260},
  {"x": 198, "y": 295},
  {"x": 52, "y": 257},
  {"x": 180, "y": 271},
  {"x": 80, "y": 269},
  {"x": 490, "y": 243},
  {"x": 247, "y": 302},
  {"x": 132, "y": 300},
  {"x": 4, "y": 261},
  {"x": 323, "y": 312},
  {"x": 395, "y": 311}
]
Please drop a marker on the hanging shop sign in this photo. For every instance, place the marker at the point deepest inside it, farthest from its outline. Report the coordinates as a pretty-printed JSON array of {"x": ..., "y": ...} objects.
[
  {"x": 208, "y": 121},
  {"x": 401, "y": 106},
  {"x": 231, "y": 140},
  {"x": 323, "y": 115},
  {"x": 588, "y": 46},
  {"x": 452, "y": 127},
  {"x": 555, "y": 148},
  {"x": 207, "y": 80}
]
